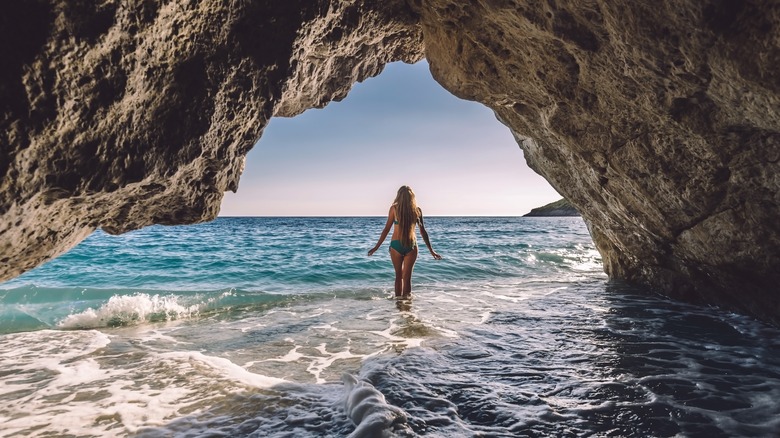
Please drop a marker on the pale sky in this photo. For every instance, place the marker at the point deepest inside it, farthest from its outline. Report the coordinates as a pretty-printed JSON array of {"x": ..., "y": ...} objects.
[{"x": 398, "y": 128}]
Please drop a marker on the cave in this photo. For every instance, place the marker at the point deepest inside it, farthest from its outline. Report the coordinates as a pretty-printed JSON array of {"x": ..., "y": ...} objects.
[{"x": 658, "y": 122}]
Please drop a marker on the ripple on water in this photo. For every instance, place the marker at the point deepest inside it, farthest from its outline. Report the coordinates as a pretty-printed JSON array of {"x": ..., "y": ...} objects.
[{"x": 618, "y": 365}]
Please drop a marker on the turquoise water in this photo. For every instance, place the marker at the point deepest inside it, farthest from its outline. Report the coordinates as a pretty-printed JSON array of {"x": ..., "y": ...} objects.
[{"x": 284, "y": 327}]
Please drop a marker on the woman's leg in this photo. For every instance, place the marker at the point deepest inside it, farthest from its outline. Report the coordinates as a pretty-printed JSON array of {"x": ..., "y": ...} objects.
[
  {"x": 398, "y": 261},
  {"x": 406, "y": 271}
]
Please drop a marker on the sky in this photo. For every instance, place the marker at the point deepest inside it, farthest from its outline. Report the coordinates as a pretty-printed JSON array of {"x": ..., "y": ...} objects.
[{"x": 401, "y": 127}]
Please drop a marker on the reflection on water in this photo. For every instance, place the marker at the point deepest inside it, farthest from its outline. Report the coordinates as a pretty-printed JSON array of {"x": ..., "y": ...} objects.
[
  {"x": 409, "y": 325},
  {"x": 403, "y": 305}
]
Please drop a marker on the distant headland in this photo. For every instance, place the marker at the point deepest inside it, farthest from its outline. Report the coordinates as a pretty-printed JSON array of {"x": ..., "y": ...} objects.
[{"x": 557, "y": 208}]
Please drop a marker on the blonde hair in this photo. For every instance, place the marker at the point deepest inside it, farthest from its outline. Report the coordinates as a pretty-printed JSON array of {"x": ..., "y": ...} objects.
[{"x": 407, "y": 214}]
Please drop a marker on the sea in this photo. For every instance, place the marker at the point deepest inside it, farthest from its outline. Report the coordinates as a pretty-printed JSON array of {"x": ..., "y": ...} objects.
[{"x": 285, "y": 327}]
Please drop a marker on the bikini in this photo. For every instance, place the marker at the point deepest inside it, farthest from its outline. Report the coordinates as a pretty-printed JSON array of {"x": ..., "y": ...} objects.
[{"x": 398, "y": 246}]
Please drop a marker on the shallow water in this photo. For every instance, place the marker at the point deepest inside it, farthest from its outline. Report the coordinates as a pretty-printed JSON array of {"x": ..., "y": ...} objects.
[{"x": 245, "y": 327}]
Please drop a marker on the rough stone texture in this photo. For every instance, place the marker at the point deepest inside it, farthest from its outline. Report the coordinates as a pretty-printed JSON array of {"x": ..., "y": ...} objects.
[
  {"x": 657, "y": 120},
  {"x": 558, "y": 208},
  {"x": 122, "y": 114}
]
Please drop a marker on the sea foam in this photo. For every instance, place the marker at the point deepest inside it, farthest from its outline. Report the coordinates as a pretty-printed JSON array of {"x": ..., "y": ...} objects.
[
  {"x": 368, "y": 409},
  {"x": 121, "y": 310}
]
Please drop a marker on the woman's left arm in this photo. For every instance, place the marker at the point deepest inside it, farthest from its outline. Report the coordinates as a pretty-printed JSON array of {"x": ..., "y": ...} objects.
[{"x": 426, "y": 239}]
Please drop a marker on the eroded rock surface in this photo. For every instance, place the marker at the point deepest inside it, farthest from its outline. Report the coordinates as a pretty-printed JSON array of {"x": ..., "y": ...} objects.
[
  {"x": 657, "y": 120},
  {"x": 122, "y": 114}
]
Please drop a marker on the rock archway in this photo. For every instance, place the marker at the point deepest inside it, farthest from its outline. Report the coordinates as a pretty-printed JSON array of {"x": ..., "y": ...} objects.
[{"x": 658, "y": 121}]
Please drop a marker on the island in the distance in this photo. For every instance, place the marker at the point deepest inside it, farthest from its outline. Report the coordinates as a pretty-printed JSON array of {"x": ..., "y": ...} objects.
[{"x": 557, "y": 208}]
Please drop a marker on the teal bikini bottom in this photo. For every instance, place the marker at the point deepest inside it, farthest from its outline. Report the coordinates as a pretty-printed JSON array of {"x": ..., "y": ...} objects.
[{"x": 403, "y": 250}]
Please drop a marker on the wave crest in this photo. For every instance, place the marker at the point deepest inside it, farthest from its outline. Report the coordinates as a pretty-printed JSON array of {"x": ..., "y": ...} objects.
[{"x": 123, "y": 310}]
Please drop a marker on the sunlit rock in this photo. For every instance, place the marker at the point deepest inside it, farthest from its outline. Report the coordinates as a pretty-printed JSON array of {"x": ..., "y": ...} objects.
[{"x": 658, "y": 121}]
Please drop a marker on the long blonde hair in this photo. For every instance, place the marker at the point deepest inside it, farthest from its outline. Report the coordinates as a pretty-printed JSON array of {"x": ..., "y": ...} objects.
[{"x": 407, "y": 213}]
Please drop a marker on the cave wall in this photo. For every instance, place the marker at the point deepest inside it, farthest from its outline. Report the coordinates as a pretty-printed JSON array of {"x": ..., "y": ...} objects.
[
  {"x": 657, "y": 120},
  {"x": 124, "y": 114}
]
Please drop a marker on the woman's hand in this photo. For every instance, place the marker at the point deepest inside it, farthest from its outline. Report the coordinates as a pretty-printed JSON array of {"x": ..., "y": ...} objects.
[
  {"x": 436, "y": 255},
  {"x": 372, "y": 251}
]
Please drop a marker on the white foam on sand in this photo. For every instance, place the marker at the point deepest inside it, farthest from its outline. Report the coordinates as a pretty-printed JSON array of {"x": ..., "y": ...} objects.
[
  {"x": 368, "y": 409},
  {"x": 225, "y": 368},
  {"x": 52, "y": 373},
  {"x": 66, "y": 383},
  {"x": 316, "y": 364},
  {"x": 319, "y": 364},
  {"x": 324, "y": 349}
]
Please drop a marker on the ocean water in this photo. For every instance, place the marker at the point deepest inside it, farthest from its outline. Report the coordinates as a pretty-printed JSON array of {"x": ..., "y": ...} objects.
[{"x": 283, "y": 327}]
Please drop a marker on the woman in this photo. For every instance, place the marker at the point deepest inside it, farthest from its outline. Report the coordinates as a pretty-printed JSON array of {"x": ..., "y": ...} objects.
[{"x": 405, "y": 214}]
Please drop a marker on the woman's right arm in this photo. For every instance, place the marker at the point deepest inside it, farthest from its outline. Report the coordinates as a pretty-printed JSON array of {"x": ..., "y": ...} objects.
[{"x": 383, "y": 236}]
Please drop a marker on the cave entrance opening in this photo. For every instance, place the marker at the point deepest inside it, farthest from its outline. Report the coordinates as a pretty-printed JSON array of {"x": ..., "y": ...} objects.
[{"x": 401, "y": 127}]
